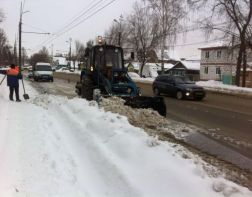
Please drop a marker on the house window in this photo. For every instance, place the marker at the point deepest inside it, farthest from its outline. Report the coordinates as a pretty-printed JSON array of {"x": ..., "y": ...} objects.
[
  {"x": 218, "y": 54},
  {"x": 207, "y": 54},
  {"x": 218, "y": 70},
  {"x": 206, "y": 70}
]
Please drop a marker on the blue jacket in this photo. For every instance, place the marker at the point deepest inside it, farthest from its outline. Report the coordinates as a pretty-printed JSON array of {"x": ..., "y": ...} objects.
[{"x": 12, "y": 80}]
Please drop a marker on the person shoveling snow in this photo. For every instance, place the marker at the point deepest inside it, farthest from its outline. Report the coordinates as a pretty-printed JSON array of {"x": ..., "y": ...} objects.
[{"x": 13, "y": 76}]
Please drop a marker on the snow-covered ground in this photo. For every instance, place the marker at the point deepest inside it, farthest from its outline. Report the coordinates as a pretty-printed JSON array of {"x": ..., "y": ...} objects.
[
  {"x": 219, "y": 86},
  {"x": 66, "y": 70},
  {"x": 51, "y": 146}
]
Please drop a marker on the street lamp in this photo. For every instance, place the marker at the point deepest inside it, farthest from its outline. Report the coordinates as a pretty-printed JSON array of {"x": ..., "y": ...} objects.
[
  {"x": 20, "y": 36},
  {"x": 70, "y": 51},
  {"x": 51, "y": 47},
  {"x": 120, "y": 29}
]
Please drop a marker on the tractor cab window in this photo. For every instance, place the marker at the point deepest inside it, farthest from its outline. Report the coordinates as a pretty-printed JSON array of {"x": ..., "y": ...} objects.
[
  {"x": 113, "y": 58},
  {"x": 109, "y": 57},
  {"x": 99, "y": 58}
]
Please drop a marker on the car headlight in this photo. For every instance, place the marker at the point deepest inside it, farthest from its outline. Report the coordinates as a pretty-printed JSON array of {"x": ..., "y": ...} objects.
[{"x": 189, "y": 89}]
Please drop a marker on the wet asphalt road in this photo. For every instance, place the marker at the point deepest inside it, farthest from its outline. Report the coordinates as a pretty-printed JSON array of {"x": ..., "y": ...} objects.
[{"x": 225, "y": 118}]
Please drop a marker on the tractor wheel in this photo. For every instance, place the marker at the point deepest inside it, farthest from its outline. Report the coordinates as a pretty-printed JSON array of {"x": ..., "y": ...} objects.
[
  {"x": 87, "y": 88},
  {"x": 156, "y": 92}
]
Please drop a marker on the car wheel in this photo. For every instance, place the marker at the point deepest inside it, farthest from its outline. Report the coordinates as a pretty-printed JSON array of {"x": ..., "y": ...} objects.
[
  {"x": 156, "y": 92},
  {"x": 179, "y": 95},
  {"x": 52, "y": 80}
]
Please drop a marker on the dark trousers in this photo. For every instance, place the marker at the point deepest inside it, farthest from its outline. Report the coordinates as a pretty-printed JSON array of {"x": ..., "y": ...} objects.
[{"x": 12, "y": 88}]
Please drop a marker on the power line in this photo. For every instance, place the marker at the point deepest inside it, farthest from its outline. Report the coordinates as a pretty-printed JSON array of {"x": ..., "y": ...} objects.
[
  {"x": 65, "y": 26},
  {"x": 196, "y": 43},
  {"x": 59, "y": 32},
  {"x": 78, "y": 17},
  {"x": 34, "y": 27},
  {"x": 87, "y": 17}
]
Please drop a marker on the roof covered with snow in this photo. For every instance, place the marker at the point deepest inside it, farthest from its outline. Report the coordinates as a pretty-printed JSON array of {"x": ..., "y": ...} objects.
[
  {"x": 218, "y": 44},
  {"x": 191, "y": 65}
]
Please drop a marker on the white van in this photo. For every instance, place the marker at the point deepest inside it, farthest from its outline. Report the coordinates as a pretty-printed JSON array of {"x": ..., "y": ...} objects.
[
  {"x": 150, "y": 70},
  {"x": 43, "y": 71}
]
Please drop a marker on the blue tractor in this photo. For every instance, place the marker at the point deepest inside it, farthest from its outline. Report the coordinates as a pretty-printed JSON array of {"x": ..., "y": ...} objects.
[{"x": 104, "y": 70}]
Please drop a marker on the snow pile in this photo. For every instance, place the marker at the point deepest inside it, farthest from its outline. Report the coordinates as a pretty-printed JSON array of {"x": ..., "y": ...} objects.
[
  {"x": 133, "y": 75},
  {"x": 219, "y": 86},
  {"x": 51, "y": 146},
  {"x": 144, "y": 80},
  {"x": 146, "y": 118},
  {"x": 66, "y": 70}
]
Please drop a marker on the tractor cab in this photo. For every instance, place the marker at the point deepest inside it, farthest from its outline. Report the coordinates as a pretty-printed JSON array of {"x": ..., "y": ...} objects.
[{"x": 106, "y": 68}]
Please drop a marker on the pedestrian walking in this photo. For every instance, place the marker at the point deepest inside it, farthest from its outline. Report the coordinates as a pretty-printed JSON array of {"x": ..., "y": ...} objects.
[{"x": 13, "y": 76}]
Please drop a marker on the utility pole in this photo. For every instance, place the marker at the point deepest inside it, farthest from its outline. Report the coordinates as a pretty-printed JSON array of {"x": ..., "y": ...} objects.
[
  {"x": 70, "y": 51},
  {"x": 20, "y": 38},
  {"x": 52, "y": 53},
  {"x": 163, "y": 37}
]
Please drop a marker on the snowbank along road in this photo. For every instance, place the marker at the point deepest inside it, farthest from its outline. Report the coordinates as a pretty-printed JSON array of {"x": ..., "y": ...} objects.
[
  {"x": 55, "y": 146},
  {"x": 213, "y": 151}
]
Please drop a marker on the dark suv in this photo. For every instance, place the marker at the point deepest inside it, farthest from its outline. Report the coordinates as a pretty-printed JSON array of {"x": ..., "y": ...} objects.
[{"x": 177, "y": 86}]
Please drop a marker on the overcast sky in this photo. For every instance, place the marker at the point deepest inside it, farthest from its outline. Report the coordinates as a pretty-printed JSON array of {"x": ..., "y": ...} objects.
[{"x": 52, "y": 15}]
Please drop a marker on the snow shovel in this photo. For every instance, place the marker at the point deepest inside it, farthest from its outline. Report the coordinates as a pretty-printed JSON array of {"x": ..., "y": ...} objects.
[
  {"x": 26, "y": 96},
  {"x": 2, "y": 80}
]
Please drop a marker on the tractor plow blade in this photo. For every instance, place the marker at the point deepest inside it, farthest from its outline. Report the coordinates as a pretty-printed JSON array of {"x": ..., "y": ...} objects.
[{"x": 156, "y": 103}]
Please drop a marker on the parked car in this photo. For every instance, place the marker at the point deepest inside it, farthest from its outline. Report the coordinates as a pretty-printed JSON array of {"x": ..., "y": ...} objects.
[{"x": 177, "y": 86}]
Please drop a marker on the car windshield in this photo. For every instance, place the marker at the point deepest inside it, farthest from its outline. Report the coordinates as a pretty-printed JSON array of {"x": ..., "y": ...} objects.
[
  {"x": 183, "y": 80},
  {"x": 43, "y": 68}
]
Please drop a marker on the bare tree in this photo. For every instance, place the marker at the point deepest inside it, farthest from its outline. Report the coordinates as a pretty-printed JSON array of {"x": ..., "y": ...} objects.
[
  {"x": 1, "y": 16},
  {"x": 144, "y": 31},
  {"x": 90, "y": 44},
  {"x": 24, "y": 56},
  {"x": 80, "y": 51},
  {"x": 111, "y": 34},
  {"x": 6, "y": 54},
  {"x": 5, "y": 49},
  {"x": 169, "y": 13},
  {"x": 117, "y": 34},
  {"x": 41, "y": 56},
  {"x": 236, "y": 17}
]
